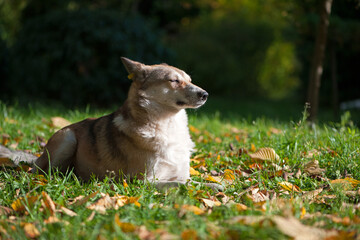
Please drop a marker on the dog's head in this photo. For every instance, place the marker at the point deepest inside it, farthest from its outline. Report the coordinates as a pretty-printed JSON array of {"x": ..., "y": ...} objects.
[{"x": 165, "y": 85}]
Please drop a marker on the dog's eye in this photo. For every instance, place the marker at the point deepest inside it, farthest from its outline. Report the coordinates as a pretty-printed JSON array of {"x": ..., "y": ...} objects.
[{"x": 175, "y": 81}]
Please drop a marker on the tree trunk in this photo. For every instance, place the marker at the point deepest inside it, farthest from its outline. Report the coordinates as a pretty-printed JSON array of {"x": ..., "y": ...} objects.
[
  {"x": 335, "y": 90},
  {"x": 318, "y": 57}
]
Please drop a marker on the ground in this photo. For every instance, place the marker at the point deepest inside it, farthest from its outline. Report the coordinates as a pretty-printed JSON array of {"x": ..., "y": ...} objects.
[{"x": 283, "y": 179}]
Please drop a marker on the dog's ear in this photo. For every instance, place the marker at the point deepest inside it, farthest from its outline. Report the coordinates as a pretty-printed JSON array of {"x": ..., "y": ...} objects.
[{"x": 136, "y": 70}]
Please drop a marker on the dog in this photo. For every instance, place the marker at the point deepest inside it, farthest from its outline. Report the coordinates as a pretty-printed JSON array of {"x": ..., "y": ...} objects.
[{"x": 147, "y": 138}]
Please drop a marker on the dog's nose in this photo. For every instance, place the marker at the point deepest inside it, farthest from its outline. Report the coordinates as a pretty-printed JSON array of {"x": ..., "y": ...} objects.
[{"x": 203, "y": 95}]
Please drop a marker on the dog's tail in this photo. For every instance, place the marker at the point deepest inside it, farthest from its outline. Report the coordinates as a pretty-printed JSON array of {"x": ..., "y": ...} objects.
[{"x": 13, "y": 158}]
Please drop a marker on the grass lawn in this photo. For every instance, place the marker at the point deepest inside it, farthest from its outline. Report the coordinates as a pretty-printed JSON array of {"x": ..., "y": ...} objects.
[{"x": 310, "y": 190}]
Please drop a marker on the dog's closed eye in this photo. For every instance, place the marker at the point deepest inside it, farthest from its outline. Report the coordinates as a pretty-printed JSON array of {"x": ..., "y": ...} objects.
[{"x": 175, "y": 81}]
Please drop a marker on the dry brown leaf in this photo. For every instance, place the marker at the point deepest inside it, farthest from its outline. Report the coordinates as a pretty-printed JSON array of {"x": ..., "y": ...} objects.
[
  {"x": 54, "y": 219},
  {"x": 264, "y": 154},
  {"x": 189, "y": 234},
  {"x": 210, "y": 203},
  {"x": 68, "y": 211},
  {"x": 80, "y": 200},
  {"x": 5, "y": 210},
  {"x": 107, "y": 202},
  {"x": 31, "y": 231},
  {"x": 312, "y": 194},
  {"x": 247, "y": 219},
  {"x": 48, "y": 202},
  {"x": 59, "y": 122},
  {"x": 258, "y": 196},
  {"x": 295, "y": 229},
  {"x": 312, "y": 168}
]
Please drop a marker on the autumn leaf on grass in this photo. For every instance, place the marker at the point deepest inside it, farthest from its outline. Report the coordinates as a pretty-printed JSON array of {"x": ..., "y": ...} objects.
[
  {"x": 289, "y": 186},
  {"x": 298, "y": 231},
  {"x": 312, "y": 194},
  {"x": 48, "y": 202},
  {"x": 20, "y": 204},
  {"x": 59, "y": 122},
  {"x": 190, "y": 208},
  {"x": 30, "y": 230},
  {"x": 80, "y": 200},
  {"x": 126, "y": 227},
  {"x": 312, "y": 168},
  {"x": 210, "y": 203},
  {"x": 7, "y": 162},
  {"x": 346, "y": 183},
  {"x": 189, "y": 234},
  {"x": 107, "y": 202},
  {"x": 194, "y": 172},
  {"x": 5, "y": 210},
  {"x": 265, "y": 154}
]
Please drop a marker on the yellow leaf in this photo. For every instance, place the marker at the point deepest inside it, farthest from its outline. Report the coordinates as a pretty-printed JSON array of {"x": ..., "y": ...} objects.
[
  {"x": 229, "y": 174},
  {"x": 19, "y": 205},
  {"x": 31, "y": 231},
  {"x": 265, "y": 154},
  {"x": 289, "y": 186},
  {"x": 211, "y": 179},
  {"x": 59, "y": 122},
  {"x": 125, "y": 226},
  {"x": 194, "y": 130},
  {"x": 193, "y": 209},
  {"x": 210, "y": 203},
  {"x": 125, "y": 184},
  {"x": 194, "y": 172},
  {"x": 218, "y": 140},
  {"x": 303, "y": 212},
  {"x": 346, "y": 183},
  {"x": 240, "y": 207},
  {"x": 253, "y": 148}
]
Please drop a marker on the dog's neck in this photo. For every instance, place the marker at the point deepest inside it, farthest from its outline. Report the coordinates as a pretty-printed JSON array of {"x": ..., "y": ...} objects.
[{"x": 144, "y": 111}]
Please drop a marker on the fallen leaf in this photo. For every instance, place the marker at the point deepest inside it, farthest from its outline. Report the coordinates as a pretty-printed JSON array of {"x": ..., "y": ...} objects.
[
  {"x": 80, "y": 200},
  {"x": 31, "y": 231},
  {"x": 189, "y": 234},
  {"x": 229, "y": 175},
  {"x": 312, "y": 194},
  {"x": 194, "y": 172},
  {"x": 126, "y": 227},
  {"x": 264, "y": 154},
  {"x": 5, "y": 210},
  {"x": 48, "y": 202},
  {"x": 298, "y": 231},
  {"x": 346, "y": 183},
  {"x": 191, "y": 208},
  {"x": 59, "y": 122},
  {"x": 194, "y": 130},
  {"x": 212, "y": 179},
  {"x": 312, "y": 168},
  {"x": 68, "y": 211},
  {"x": 289, "y": 186},
  {"x": 210, "y": 203},
  {"x": 20, "y": 204},
  {"x": 54, "y": 219}
]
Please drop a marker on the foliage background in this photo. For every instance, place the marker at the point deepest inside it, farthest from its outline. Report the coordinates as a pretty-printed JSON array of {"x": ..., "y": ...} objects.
[{"x": 68, "y": 51}]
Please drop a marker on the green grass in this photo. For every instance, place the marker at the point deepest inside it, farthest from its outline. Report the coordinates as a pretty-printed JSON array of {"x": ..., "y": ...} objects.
[{"x": 220, "y": 138}]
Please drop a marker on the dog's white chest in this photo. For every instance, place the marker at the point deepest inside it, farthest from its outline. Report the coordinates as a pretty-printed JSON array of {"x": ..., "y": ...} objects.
[{"x": 171, "y": 161}]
